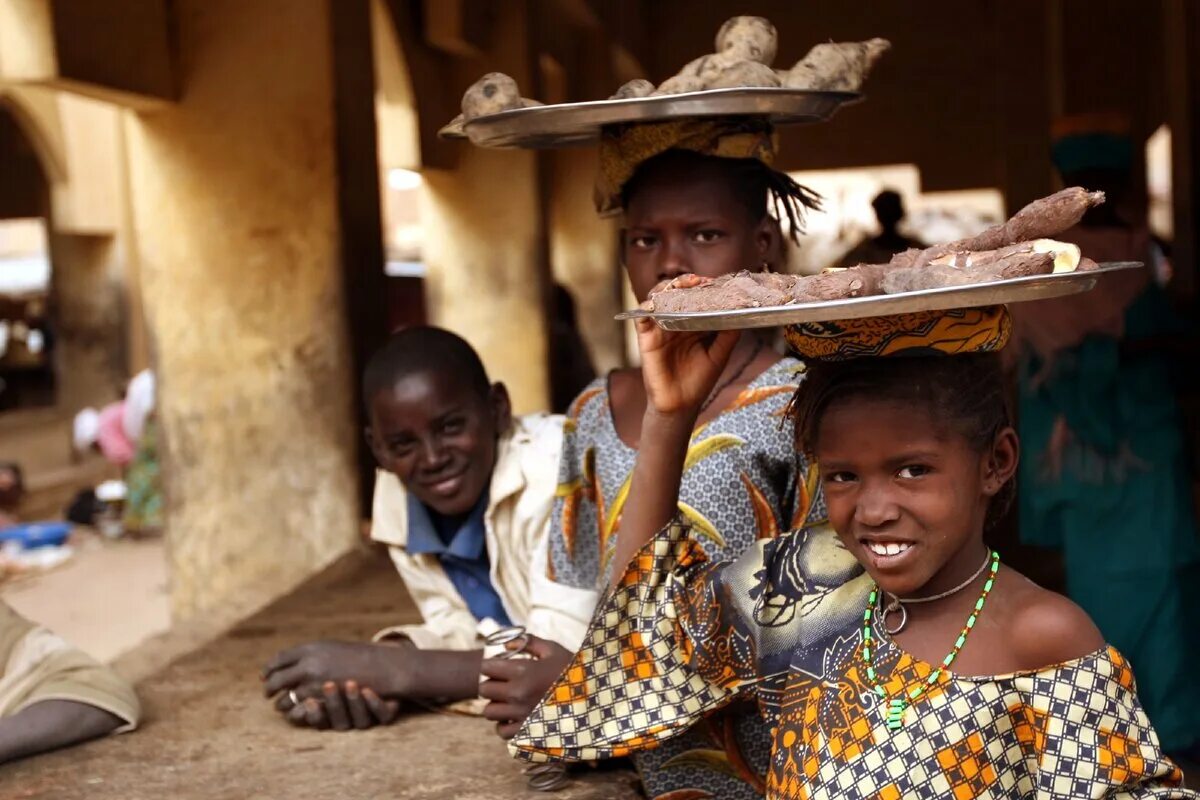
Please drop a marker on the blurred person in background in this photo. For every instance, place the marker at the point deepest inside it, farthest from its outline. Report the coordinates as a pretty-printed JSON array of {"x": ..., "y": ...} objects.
[
  {"x": 571, "y": 368},
  {"x": 889, "y": 211},
  {"x": 125, "y": 433},
  {"x": 1104, "y": 475},
  {"x": 12, "y": 489}
]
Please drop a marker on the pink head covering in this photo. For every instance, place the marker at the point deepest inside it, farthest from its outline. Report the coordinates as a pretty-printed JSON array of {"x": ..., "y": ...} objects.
[{"x": 114, "y": 443}]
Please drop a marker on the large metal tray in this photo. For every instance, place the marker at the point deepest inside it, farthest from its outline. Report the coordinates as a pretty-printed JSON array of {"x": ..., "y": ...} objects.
[
  {"x": 1014, "y": 290},
  {"x": 580, "y": 123}
]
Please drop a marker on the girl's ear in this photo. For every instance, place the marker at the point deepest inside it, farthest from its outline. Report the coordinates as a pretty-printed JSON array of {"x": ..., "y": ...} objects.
[
  {"x": 1001, "y": 463},
  {"x": 768, "y": 242}
]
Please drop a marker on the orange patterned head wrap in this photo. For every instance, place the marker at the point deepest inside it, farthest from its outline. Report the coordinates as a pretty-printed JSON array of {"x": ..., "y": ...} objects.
[
  {"x": 624, "y": 148},
  {"x": 921, "y": 333}
]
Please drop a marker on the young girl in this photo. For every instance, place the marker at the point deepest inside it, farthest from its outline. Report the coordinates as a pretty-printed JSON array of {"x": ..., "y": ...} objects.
[{"x": 891, "y": 654}]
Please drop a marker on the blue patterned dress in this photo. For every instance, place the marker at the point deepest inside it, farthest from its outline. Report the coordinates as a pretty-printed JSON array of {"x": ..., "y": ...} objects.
[{"x": 742, "y": 482}]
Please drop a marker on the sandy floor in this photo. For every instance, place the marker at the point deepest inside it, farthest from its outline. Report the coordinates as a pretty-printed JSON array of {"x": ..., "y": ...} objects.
[
  {"x": 109, "y": 598},
  {"x": 209, "y": 734}
]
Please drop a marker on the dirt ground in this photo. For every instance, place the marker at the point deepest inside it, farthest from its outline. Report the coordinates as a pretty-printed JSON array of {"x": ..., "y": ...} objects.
[
  {"x": 210, "y": 735},
  {"x": 110, "y": 597}
]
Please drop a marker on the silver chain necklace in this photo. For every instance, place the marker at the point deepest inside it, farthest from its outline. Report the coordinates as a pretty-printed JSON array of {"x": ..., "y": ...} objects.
[
  {"x": 897, "y": 603},
  {"x": 745, "y": 365}
]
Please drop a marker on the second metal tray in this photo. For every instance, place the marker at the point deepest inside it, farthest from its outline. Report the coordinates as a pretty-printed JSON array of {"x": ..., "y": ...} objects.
[
  {"x": 1015, "y": 290},
  {"x": 579, "y": 123}
]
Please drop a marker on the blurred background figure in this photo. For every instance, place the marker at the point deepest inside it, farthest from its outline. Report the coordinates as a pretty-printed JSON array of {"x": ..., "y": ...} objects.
[
  {"x": 125, "y": 433},
  {"x": 1103, "y": 473},
  {"x": 571, "y": 368},
  {"x": 879, "y": 249},
  {"x": 12, "y": 488}
]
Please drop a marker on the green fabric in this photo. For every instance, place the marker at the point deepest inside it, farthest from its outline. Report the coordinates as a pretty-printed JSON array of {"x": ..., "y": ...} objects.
[
  {"x": 1088, "y": 151},
  {"x": 143, "y": 500},
  {"x": 1121, "y": 507}
]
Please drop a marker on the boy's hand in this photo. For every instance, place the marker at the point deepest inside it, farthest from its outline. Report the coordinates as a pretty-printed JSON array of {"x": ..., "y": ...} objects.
[
  {"x": 681, "y": 368},
  {"x": 382, "y": 667},
  {"x": 516, "y": 685},
  {"x": 338, "y": 707}
]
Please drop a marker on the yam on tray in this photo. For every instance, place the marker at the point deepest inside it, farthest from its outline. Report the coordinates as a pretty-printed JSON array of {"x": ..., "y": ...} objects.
[
  {"x": 1041, "y": 219},
  {"x": 1021, "y": 247},
  {"x": 938, "y": 276},
  {"x": 739, "y": 290}
]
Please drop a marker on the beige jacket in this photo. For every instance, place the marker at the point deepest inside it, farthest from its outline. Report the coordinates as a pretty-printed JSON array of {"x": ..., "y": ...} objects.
[{"x": 517, "y": 523}]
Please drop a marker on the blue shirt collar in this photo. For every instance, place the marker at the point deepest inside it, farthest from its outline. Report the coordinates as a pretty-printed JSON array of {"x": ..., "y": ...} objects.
[{"x": 468, "y": 543}]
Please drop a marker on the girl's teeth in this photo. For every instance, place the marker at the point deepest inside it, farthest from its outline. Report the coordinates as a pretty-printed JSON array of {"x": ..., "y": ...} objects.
[{"x": 889, "y": 549}]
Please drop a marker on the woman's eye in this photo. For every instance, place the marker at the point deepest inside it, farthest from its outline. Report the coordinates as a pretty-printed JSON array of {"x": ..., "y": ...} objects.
[
  {"x": 839, "y": 477},
  {"x": 401, "y": 447},
  {"x": 643, "y": 242},
  {"x": 707, "y": 237},
  {"x": 913, "y": 471},
  {"x": 453, "y": 426}
]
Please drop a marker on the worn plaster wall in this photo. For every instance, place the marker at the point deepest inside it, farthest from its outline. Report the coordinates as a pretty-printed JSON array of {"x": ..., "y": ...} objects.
[
  {"x": 89, "y": 321},
  {"x": 583, "y": 254},
  {"x": 88, "y": 255},
  {"x": 234, "y": 200},
  {"x": 484, "y": 242}
]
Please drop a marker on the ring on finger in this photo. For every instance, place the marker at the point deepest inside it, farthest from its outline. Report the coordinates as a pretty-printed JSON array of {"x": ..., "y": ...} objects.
[{"x": 295, "y": 698}]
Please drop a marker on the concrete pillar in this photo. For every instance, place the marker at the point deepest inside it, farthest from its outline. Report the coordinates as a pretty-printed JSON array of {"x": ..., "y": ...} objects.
[
  {"x": 235, "y": 203},
  {"x": 89, "y": 322},
  {"x": 483, "y": 239}
]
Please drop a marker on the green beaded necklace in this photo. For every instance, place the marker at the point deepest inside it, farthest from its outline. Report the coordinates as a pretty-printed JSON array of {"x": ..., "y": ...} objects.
[{"x": 898, "y": 705}]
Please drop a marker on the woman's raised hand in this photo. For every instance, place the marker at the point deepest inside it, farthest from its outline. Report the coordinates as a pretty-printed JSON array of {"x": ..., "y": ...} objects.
[{"x": 680, "y": 369}]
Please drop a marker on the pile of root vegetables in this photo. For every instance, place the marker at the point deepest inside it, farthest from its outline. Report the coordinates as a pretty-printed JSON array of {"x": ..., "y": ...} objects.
[
  {"x": 745, "y": 50},
  {"x": 1021, "y": 247}
]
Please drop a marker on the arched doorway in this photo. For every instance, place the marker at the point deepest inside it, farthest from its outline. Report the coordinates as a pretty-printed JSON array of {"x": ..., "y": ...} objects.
[{"x": 27, "y": 376}]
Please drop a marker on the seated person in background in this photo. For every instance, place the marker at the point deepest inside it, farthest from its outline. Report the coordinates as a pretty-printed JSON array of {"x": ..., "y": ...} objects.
[
  {"x": 12, "y": 489},
  {"x": 463, "y": 503},
  {"x": 52, "y": 695},
  {"x": 889, "y": 211},
  {"x": 571, "y": 368}
]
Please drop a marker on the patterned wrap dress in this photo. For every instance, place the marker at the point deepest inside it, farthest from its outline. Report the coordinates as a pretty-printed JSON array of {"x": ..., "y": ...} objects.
[
  {"x": 742, "y": 482},
  {"x": 683, "y": 635}
]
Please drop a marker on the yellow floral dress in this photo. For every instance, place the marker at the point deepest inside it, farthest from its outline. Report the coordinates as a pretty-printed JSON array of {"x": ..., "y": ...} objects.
[
  {"x": 683, "y": 635},
  {"x": 742, "y": 483}
]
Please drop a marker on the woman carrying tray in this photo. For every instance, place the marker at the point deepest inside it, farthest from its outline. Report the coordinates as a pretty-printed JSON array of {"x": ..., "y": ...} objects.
[
  {"x": 891, "y": 653},
  {"x": 694, "y": 195}
]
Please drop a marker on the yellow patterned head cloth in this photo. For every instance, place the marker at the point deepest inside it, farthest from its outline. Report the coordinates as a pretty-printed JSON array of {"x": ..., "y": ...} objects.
[
  {"x": 626, "y": 147},
  {"x": 921, "y": 333}
]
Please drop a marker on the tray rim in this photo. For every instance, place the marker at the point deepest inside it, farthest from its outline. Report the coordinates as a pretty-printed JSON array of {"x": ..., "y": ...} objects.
[
  {"x": 726, "y": 101},
  {"x": 859, "y": 307}
]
